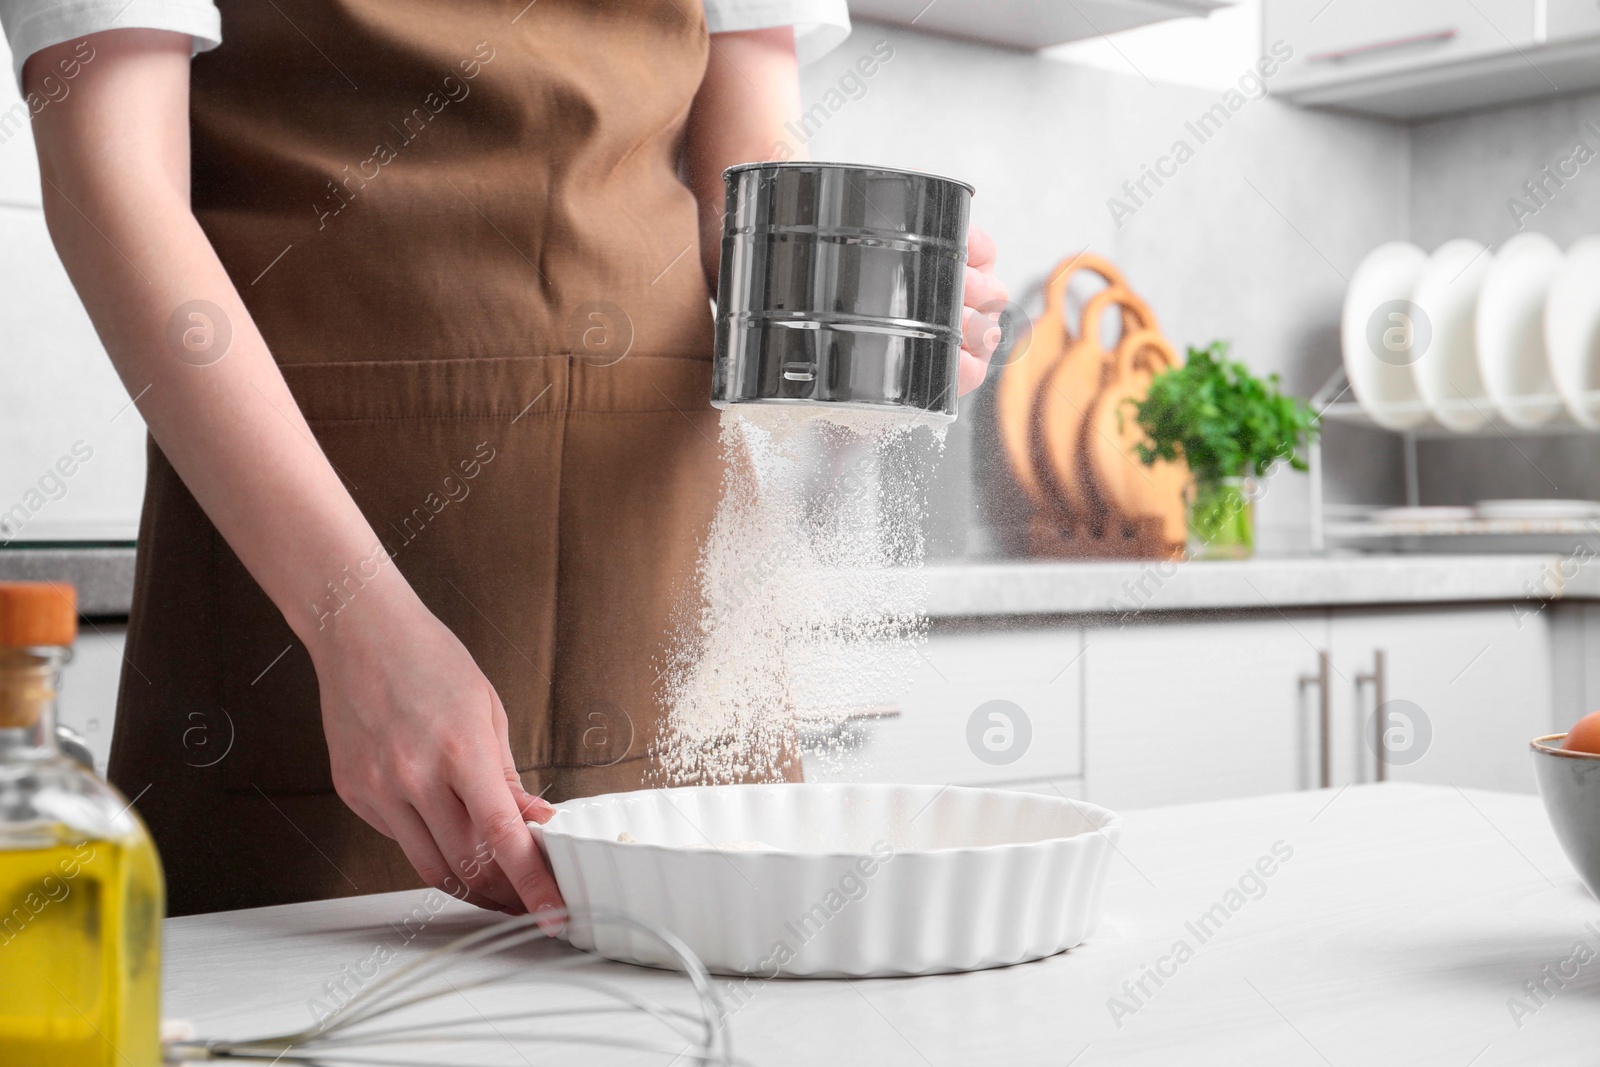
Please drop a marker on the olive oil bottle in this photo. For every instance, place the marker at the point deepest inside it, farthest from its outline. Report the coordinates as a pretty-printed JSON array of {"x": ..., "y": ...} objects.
[{"x": 81, "y": 892}]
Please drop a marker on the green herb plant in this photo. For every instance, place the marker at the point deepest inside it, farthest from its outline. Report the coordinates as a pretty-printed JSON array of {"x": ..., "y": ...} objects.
[
  {"x": 1221, "y": 420},
  {"x": 1224, "y": 423}
]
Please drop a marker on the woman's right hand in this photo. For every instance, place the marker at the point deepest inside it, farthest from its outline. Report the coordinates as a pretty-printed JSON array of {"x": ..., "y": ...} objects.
[{"x": 418, "y": 743}]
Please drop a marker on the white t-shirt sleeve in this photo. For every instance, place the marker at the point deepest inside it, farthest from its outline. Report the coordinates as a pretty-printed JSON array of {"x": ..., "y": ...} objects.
[
  {"x": 34, "y": 24},
  {"x": 819, "y": 25}
]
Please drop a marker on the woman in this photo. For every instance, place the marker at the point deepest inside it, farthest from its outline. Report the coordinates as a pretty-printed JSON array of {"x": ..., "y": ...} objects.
[{"x": 407, "y": 296}]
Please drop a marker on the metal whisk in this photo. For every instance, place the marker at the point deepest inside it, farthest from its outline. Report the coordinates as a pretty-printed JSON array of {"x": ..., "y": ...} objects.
[{"x": 381, "y": 1025}]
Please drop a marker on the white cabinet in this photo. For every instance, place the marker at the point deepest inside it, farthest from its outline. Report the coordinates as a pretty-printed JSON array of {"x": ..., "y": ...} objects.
[
  {"x": 1465, "y": 689},
  {"x": 1354, "y": 39},
  {"x": 1029, "y": 23},
  {"x": 88, "y": 700},
  {"x": 1569, "y": 20},
  {"x": 1176, "y": 712},
  {"x": 1184, "y": 711},
  {"x": 985, "y": 707},
  {"x": 1575, "y": 651},
  {"x": 1427, "y": 57},
  {"x": 1169, "y": 711}
]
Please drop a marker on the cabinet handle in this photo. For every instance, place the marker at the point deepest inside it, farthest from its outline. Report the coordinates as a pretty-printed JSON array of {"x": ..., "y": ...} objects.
[
  {"x": 1379, "y": 680},
  {"x": 1361, "y": 50},
  {"x": 75, "y": 747},
  {"x": 1324, "y": 716},
  {"x": 824, "y": 733}
]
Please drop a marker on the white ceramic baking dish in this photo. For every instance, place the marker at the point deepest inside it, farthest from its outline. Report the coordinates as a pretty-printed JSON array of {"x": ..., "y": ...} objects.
[{"x": 854, "y": 881}]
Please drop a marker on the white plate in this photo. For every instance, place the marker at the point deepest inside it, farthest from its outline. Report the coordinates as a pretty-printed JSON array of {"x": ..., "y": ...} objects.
[
  {"x": 1537, "y": 509},
  {"x": 1446, "y": 367},
  {"x": 1436, "y": 513},
  {"x": 1375, "y": 331},
  {"x": 1572, "y": 330},
  {"x": 861, "y": 881},
  {"x": 1510, "y": 330}
]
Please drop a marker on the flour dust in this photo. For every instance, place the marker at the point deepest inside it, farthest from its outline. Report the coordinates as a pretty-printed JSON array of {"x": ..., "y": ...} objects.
[{"x": 810, "y": 590}]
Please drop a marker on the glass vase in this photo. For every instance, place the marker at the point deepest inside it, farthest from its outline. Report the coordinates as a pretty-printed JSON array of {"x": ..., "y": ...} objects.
[{"x": 1222, "y": 519}]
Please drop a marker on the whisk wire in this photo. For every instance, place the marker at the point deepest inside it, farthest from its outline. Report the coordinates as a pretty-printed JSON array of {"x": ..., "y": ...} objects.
[
  {"x": 424, "y": 1031},
  {"x": 509, "y": 939},
  {"x": 343, "y": 1036}
]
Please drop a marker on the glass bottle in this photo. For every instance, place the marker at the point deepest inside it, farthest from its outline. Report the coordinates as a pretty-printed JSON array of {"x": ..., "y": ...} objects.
[{"x": 81, "y": 891}]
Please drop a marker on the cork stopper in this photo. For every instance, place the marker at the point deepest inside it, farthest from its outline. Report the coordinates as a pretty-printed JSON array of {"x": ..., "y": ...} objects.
[
  {"x": 37, "y": 613},
  {"x": 32, "y": 615}
]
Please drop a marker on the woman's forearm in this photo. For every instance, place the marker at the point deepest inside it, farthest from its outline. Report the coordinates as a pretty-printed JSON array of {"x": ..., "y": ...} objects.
[
  {"x": 115, "y": 190},
  {"x": 751, "y": 89}
]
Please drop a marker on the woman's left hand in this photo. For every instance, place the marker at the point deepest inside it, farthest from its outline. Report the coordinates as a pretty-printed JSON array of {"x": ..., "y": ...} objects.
[{"x": 983, "y": 299}]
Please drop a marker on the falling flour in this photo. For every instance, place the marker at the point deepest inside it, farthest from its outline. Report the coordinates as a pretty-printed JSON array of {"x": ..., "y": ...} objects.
[{"x": 809, "y": 602}]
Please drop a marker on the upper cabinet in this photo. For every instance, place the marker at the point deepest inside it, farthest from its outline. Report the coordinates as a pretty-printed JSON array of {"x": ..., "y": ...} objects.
[
  {"x": 1430, "y": 57},
  {"x": 1029, "y": 23}
]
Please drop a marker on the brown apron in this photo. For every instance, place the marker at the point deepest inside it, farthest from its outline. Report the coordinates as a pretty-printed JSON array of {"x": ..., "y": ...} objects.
[{"x": 460, "y": 230}]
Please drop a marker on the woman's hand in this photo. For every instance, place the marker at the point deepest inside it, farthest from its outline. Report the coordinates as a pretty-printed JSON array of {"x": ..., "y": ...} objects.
[
  {"x": 418, "y": 744},
  {"x": 983, "y": 300}
]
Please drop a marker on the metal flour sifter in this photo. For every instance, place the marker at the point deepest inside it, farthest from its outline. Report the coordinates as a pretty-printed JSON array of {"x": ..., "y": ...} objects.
[{"x": 841, "y": 285}]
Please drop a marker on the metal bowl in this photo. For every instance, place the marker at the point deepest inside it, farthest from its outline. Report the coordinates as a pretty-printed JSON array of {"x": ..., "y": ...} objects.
[
  {"x": 841, "y": 285},
  {"x": 1569, "y": 784}
]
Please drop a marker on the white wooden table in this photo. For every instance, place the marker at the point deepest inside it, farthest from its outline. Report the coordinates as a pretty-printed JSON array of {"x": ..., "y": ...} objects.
[{"x": 1401, "y": 930}]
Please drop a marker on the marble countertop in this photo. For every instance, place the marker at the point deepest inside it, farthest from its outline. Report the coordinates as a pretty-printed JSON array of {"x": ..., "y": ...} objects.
[
  {"x": 1036, "y": 587},
  {"x": 976, "y": 588},
  {"x": 1394, "y": 924},
  {"x": 102, "y": 573}
]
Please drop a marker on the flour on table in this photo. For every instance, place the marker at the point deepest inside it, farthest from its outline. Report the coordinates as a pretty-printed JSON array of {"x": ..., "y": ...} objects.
[{"x": 808, "y": 609}]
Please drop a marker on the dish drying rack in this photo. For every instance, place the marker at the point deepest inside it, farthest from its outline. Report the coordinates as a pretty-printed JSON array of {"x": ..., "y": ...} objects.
[{"x": 1355, "y": 524}]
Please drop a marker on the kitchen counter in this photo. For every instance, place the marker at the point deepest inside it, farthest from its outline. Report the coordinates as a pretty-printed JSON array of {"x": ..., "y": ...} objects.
[
  {"x": 1028, "y": 587},
  {"x": 977, "y": 588},
  {"x": 1399, "y": 925},
  {"x": 102, "y": 573}
]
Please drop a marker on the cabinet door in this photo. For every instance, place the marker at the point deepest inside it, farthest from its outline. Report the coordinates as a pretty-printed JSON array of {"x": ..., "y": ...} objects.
[
  {"x": 1567, "y": 20},
  {"x": 1465, "y": 690},
  {"x": 986, "y": 706},
  {"x": 1348, "y": 40},
  {"x": 88, "y": 700},
  {"x": 1185, "y": 711}
]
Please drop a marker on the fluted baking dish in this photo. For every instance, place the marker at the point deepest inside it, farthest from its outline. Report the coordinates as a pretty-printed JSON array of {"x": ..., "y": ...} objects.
[{"x": 835, "y": 880}]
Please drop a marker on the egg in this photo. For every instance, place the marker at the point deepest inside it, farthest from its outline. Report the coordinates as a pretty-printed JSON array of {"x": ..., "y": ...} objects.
[{"x": 1585, "y": 736}]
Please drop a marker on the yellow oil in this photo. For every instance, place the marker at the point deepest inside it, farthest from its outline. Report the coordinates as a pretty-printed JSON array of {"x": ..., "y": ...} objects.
[{"x": 80, "y": 953}]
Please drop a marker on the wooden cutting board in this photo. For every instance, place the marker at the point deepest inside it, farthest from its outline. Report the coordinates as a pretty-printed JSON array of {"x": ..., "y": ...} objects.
[
  {"x": 1116, "y": 480},
  {"x": 1017, "y": 401},
  {"x": 1068, "y": 399},
  {"x": 1068, "y": 431}
]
